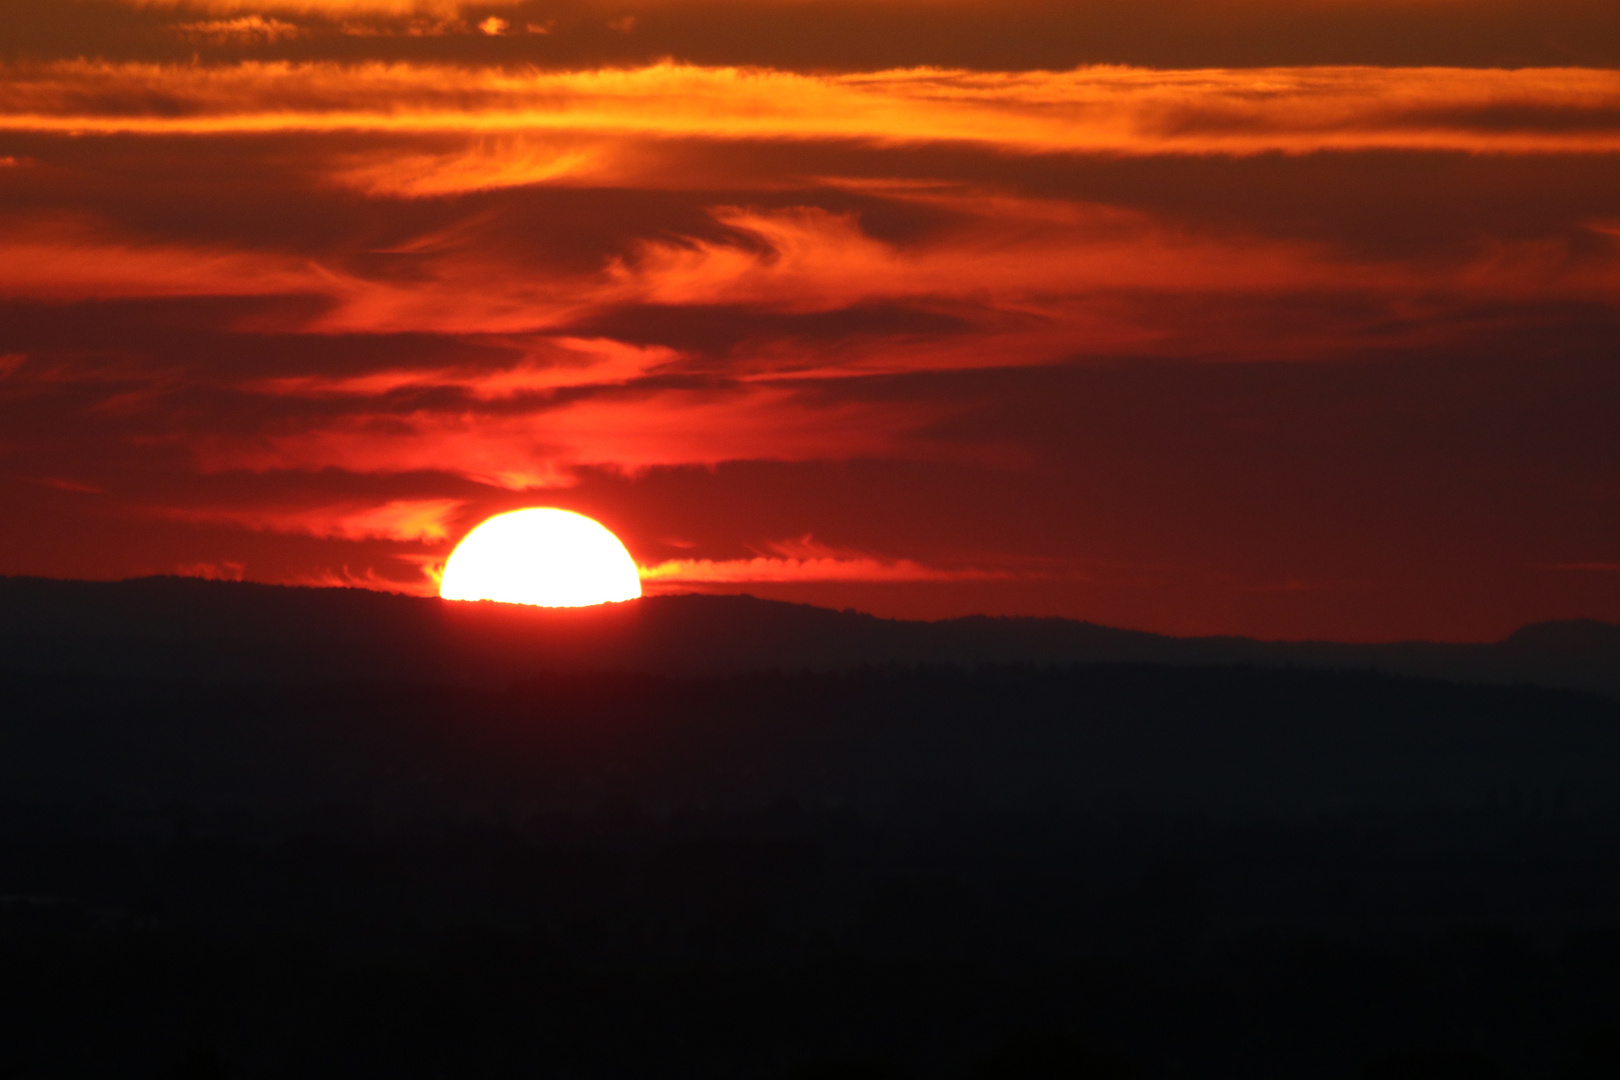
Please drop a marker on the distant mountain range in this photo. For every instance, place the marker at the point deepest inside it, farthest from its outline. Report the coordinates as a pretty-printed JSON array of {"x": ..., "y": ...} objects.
[{"x": 165, "y": 627}]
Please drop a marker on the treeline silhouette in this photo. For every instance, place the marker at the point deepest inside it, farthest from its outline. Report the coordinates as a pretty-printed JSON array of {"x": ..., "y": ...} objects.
[{"x": 996, "y": 873}]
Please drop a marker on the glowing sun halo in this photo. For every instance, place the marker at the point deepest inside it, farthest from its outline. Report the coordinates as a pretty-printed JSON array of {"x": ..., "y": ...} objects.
[{"x": 554, "y": 558}]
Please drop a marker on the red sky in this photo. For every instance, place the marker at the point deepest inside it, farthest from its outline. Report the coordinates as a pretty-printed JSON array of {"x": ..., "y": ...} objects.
[{"x": 1293, "y": 319}]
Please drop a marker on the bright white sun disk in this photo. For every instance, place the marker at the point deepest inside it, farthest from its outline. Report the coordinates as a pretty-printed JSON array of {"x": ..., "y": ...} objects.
[{"x": 550, "y": 557}]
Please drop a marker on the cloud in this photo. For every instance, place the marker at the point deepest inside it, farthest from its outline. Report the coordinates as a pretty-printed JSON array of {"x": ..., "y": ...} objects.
[
  {"x": 246, "y": 29},
  {"x": 488, "y": 166},
  {"x": 1113, "y": 110},
  {"x": 334, "y": 9},
  {"x": 627, "y": 434},
  {"x": 212, "y": 571},
  {"x": 367, "y": 578},
  {"x": 421, "y": 26},
  {"x": 808, "y": 259},
  {"x": 62, "y": 483},
  {"x": 402, "y": 520},
  {"x": 462, "y": 290},
  {"x": 804, "y": 560},
  {"x": 1045, "y": 282},
  {"x": 549, "y": 364},
  {"x": 71, "y": 259}
]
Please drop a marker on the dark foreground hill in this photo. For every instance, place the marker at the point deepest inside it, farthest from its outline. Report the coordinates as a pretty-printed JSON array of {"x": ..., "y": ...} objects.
[
  {"x": 261, "y": 833},
  {"x": 176, "y": 627}
]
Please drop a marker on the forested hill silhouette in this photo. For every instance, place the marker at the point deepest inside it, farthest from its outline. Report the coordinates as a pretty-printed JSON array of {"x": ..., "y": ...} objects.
[{"x": 166, "y": 627}]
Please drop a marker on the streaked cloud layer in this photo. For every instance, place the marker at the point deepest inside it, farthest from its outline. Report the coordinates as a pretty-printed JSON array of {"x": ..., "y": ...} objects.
[
  {"x": 1100, "y": 110},
  {"x": 1299, "y": 348}
]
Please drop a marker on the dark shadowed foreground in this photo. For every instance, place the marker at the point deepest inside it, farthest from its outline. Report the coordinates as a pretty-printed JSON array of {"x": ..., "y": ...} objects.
[
  {"x": 222, "y": 631},
  {"x": 986, "y": 873}
]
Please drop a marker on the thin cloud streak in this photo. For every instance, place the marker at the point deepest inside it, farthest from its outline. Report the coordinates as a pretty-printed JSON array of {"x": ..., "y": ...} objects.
[
  {"x": 549, "y": 364},
  {"x": 336, "y": 9},
  {"x": 804, "y": 560},
  {"x": 246, "y": 29},
  {"x": 368, "y": 578},
  {"x": 78, "y": 260},
  {"x": 481, "y": 168},
  {"x": 404, "y": 520}
]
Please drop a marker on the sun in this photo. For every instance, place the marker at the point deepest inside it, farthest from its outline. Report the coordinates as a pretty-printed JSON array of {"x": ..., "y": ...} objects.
[{"x": 544, "y": 556}]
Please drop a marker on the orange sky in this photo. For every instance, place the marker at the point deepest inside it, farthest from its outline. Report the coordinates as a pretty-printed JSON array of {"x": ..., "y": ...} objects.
[{"x": 1205, "y": 316}]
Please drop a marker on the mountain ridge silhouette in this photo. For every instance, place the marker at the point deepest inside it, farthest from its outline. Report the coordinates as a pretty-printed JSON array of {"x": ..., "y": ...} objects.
[{"x": 170, "y": 627}]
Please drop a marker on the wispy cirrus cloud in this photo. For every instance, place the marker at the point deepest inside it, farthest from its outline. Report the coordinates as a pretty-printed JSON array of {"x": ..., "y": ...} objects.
[
  {"x": 1047, "y": 284},
  {"x": 482, "y": 167},
  {"x": 806, "y": 258}
]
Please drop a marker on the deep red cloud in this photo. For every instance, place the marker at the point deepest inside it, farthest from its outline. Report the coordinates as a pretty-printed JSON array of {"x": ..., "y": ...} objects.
[{"x": 402, "y": 519}]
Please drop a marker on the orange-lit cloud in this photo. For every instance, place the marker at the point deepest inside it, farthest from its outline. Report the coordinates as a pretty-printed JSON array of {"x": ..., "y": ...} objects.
[
  {"x": 480, "y": 168},
  {"x": 243, "y": 29},
  {"x": 808, "y": 259},
  {"x": 1097, "y": 110},
  {"x": 464, "y": 291},
  {"x": 74, "y": 259},
  {"x": 425, "y": 520},
  {"x": 1048, "y": 281},
  {"x": 804, "y": 560},
  {"x": 325, "y": 8},
  {"x": 1044, "y": 278}
]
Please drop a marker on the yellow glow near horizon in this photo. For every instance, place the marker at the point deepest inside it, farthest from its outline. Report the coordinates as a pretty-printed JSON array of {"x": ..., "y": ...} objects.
[{"x": 542, "y": 556}]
